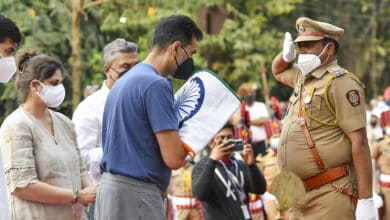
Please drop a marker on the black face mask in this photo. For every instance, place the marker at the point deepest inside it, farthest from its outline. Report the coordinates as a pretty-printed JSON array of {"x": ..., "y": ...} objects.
[
  {"x": 184, "y": 70},
  {"x": 123, "y": 72},
  {"x": 249, "y": 98}
]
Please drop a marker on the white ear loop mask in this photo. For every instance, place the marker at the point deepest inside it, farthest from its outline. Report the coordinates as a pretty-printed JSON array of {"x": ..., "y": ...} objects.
[
  {"x": 307, "y": 63},
  {"x": 53, "y": 96},
  {"x": 7, "y": 68}
]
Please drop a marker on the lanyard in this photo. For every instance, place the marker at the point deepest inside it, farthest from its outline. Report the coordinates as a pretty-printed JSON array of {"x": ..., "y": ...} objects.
[{"x": 233, "y": 185}]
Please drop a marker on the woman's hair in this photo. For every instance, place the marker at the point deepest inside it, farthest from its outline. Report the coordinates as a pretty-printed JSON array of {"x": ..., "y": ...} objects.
[{"x": 32, "y": 65}]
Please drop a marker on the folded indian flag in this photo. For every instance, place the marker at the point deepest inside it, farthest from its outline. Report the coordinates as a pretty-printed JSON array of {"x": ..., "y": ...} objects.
[{"x": 203, "y": 105}]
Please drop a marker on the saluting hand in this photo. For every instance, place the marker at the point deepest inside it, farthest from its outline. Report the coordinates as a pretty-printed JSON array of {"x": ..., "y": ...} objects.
[{"x": 289, "y": 53}]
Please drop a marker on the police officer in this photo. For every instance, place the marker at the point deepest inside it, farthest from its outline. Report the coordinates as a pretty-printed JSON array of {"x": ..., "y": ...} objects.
[
  {"x": 381, "y": 154},
  {"x": 184, "y": 205},
  {"x": 269, "y": 165},
  {"x": 324, "y": 139}
]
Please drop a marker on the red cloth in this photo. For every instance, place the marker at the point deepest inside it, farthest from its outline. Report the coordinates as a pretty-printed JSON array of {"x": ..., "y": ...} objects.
[
  {"x": 272, "y": 127},
  {"x": 385, "y": 118},
  {"x": 386, "y": 94},
  {"x": 227, "y": 161}
]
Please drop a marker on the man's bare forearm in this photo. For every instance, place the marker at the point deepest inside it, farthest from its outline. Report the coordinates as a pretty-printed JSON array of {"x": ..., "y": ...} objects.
[{"x": 362, "y": 163}]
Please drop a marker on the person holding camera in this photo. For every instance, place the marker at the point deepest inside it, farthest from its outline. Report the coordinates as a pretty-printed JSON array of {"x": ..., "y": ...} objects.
[{"x": 222, "y": 180}]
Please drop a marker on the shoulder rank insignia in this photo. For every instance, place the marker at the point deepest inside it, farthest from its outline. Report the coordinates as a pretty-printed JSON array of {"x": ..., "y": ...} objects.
[
  {"x": 337, "y": 71},
  {"x": 353, "y": 97}
]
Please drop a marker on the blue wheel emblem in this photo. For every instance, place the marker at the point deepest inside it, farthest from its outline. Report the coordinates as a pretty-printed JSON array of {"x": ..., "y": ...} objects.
[{"x": 189, "y": 100}]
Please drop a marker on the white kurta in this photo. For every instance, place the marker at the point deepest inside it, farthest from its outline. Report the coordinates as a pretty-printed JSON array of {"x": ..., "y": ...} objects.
[
  {"x": 4, "y": 212},
  {"x": 31, "y": 154},
  {"x": 256, "y": 111},
  {"x": 88, "y": 119}
]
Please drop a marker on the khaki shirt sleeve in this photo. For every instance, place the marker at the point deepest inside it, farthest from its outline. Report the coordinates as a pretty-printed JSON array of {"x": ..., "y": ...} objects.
[
  {"x": 289, "y": 76},
  {"x": 347, "y": 97}
]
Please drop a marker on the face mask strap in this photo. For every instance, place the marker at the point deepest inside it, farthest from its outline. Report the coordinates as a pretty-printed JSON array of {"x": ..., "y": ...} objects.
[
  {"x": 113, "y": 70},
  {"x": 119, "y": 75},
  {"x": 185, "y": 51},
  {"x": 323, "y": 50}
]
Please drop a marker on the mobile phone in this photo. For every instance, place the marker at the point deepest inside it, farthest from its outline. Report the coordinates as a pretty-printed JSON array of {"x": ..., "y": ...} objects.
[{"x": 238, "y": 144}]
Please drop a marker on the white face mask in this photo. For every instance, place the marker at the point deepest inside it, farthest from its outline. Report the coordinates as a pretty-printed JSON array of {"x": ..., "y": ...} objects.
[
  {"x": 274, "y": 142},
  {"x": 7, "y": 68},
  {"x": 307, "y": 63},
  {"x": 53, "y": 96}
]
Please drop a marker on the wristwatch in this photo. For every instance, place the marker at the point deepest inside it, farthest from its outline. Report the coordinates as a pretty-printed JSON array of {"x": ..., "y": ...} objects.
[{"x": 75, "y": 195}]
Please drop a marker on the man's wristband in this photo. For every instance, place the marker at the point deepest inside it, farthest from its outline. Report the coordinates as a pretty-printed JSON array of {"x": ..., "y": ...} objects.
[
  {"x": 188, "y": 149},
  {"x": 75, "y": 195}
]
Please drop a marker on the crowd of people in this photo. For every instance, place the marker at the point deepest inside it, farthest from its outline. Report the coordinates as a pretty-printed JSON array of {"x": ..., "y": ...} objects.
[{"x": 114, "y": 159}]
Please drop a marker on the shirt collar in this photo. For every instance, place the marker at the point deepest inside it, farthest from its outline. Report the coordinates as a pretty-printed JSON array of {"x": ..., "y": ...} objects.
[{"x": 104, "y": 87}]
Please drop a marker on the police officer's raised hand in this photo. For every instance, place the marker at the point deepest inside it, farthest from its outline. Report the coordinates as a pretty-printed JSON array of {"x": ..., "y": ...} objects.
[
  {"x": 221, "y": 150},
  {"x": 289, "y": 53},
  {"x": 247, "y": 154}
]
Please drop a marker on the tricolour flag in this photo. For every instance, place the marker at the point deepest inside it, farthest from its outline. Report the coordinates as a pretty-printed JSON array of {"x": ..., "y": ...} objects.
[{"x": 203, "y": 105}]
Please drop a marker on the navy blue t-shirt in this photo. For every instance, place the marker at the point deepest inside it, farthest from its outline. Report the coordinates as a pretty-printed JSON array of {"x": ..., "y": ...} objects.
[{"x": 139, "y": 104}]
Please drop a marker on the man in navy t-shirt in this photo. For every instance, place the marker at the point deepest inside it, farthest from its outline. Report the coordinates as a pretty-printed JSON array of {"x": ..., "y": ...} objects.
[{"x": 141, "y": 142}]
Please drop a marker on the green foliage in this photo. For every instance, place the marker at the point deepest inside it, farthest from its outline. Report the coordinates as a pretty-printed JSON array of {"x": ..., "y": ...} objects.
[{"x": 252, "y": 34}]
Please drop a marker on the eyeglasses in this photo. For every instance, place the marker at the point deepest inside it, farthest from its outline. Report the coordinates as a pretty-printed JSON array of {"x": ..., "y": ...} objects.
[{"x": 185, "y": 51}]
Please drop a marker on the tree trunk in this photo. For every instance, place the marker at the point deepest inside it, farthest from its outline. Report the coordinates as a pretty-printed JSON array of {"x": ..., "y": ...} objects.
[{"x": 75, "y": 58}]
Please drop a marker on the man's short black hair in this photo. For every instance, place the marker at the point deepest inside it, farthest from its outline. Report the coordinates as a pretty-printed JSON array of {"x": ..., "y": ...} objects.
[
  {"x": 9, "y": 29},
  {"x": 330, "y": 40},
  {"x": 228, "y": 125},
  {"x": 175, "y": 28}
]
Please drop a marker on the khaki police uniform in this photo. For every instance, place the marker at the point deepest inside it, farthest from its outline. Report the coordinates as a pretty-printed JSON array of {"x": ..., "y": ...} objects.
[
  {"x": 269, "y": 165},
  {"x": 381, "y": 153},
  {"x": 184, "y": 205},
  {"x": 332, "y": 108}
]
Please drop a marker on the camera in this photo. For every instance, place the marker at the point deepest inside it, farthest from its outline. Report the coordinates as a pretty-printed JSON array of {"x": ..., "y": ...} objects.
[{"x": 238, "y": 144}]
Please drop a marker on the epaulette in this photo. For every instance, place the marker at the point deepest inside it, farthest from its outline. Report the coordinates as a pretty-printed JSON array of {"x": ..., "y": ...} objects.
[{"x": 337, "y": 70}]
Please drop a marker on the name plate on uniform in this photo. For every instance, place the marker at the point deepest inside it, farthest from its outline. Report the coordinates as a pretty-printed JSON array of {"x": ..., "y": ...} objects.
[{"x": 203, "y": 105}]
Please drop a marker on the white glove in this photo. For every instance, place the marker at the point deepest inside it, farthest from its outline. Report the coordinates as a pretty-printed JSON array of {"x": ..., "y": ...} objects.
[
  {"x": 378, "y": 201},
  {"x": 289, "y": 53},
  {"x": 365, "y": 209}
]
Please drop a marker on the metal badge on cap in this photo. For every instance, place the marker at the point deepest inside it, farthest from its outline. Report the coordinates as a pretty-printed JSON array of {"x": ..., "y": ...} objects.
[{"x": 301, "y": 29}]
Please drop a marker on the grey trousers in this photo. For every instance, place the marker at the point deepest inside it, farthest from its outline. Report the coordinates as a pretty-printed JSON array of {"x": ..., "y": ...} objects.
[{"x": 121, "y": 198}]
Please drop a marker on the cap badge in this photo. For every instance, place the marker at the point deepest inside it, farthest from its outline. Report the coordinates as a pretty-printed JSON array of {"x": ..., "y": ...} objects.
[{"x": 301, "y": 29}]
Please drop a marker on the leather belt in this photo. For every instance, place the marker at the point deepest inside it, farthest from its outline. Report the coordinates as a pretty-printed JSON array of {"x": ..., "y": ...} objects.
[{"x": 325, "y": 177}]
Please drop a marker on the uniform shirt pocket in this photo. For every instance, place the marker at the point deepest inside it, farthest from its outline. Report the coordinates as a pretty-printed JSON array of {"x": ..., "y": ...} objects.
[{"x": 314, "y": 111}]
